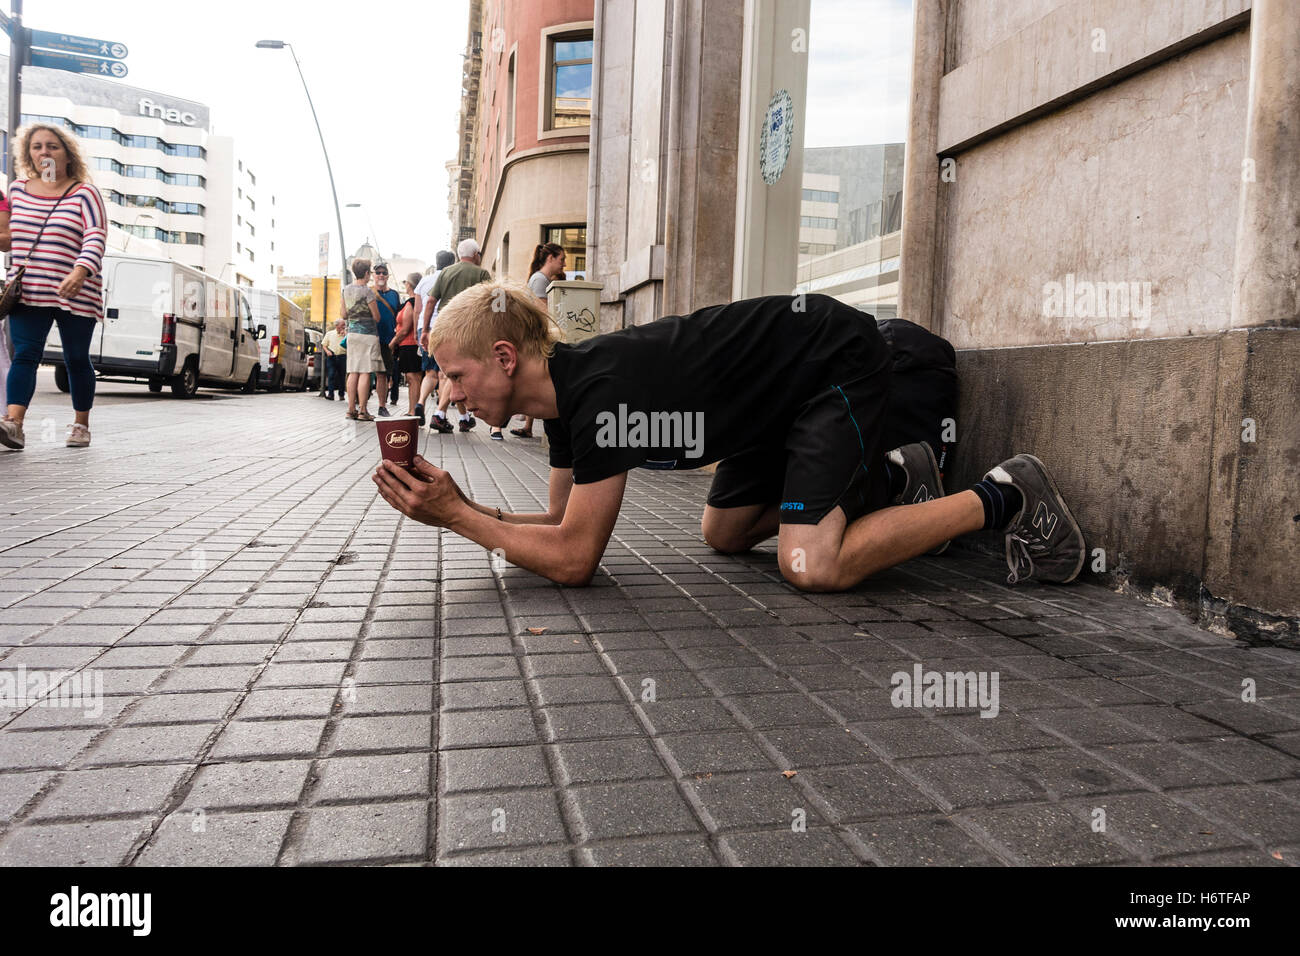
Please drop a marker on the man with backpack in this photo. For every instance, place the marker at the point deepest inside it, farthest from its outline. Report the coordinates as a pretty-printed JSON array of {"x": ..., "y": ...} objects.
[{"x": 788, "y": 394}]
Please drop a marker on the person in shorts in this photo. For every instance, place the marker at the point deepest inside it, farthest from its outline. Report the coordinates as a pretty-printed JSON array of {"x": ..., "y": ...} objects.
[
  {"x": 787, "y": 393},
  {"x": 406, "y": 349},
  {"x": 362, "y": 314}
]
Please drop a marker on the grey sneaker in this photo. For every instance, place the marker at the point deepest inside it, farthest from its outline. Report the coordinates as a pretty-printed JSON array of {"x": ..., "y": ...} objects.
[
  {"x": 1044, "y": 542},
  {"x": 923, "y": 480},
  {"x": 78, "y": 436},
  {"x": 11, "y": 434}
]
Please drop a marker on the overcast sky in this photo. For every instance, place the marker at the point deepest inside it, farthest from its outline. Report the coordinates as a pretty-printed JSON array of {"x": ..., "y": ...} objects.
[
  {"x": 385, "y": 78},
  {"x": 859, "y": 72}
]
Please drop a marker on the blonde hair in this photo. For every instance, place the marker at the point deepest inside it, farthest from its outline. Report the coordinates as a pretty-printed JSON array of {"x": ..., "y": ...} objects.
[
  {"x": 490, "y": 312},
  {"x": 77, "y": 168}
]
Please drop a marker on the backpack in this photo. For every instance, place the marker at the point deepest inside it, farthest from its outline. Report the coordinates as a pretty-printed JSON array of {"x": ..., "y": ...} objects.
[{"x": 923, "y": 390}]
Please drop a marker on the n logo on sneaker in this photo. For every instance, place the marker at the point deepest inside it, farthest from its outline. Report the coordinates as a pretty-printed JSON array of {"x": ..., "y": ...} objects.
[
  {"x": 1044, "y": 520},
  {"x": 922, "y": 494}
]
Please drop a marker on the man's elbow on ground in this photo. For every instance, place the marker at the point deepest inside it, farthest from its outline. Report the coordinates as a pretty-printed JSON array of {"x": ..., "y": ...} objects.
[{"x": 576, "y": 574}]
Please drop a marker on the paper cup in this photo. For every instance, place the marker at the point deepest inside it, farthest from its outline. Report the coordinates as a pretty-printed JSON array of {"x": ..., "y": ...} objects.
[{"x": 398, "y": 439}]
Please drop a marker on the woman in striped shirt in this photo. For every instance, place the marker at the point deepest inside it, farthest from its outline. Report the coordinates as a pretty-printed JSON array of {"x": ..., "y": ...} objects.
[{"x": 62, "y": 284}]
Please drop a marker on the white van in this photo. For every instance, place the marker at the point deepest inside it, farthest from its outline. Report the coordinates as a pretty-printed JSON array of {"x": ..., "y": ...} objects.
[
  {"x": 315, "y": 360},
  {"x": 167, "y": 324},
  {"x": 283, "y": 361}
]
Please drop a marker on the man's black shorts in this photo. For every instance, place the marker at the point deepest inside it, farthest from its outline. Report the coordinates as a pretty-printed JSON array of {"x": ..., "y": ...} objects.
[
  {"x": 408, "y": 359},
  {"x": 831, "y": 455}
]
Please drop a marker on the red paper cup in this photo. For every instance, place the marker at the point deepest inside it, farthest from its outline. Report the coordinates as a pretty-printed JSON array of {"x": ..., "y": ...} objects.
[{"x": 398, "y": 439}]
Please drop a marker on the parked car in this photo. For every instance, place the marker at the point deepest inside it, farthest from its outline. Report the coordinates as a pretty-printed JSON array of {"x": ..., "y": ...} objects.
[
  {"x": 314, "y": 352},
  {"x": 283, "y": 342},
  {"x": 167, "y": 324}
]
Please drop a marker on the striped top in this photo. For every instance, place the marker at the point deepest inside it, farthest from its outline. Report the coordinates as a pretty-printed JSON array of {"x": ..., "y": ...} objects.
[{"x": 76, "y": 236}]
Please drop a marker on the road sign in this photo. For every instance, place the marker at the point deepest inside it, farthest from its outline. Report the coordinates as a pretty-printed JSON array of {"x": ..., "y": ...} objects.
[
  {"x": 87, "y": 46},
  {"x": 323, "y": 252},
  {"x": 73, "y": 63}
]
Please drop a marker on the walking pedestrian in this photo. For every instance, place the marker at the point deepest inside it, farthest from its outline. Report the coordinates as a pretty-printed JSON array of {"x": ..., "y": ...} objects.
[
  {"x": 451, "y": 282},
  {"x": 389, "y": 302},
  {"x": 548, "y": 265},
  {"x": 6, "y": 346},
  {"x": 405, "y": 346},
  {"x": 362, "y": 314},
  {"x": 429, "y": 386},
  {"x": 59, "y": 230},
  {"x": 336, "y": 360}
]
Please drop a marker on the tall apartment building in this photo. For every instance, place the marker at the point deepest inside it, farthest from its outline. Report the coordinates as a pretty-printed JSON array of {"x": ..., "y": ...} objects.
[
  {"x": 525, "y": 124},
  {"x": 165, "y": 177}
]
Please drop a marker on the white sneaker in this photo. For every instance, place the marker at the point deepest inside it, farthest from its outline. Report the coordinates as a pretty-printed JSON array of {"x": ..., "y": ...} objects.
[
  {"x": 78, "y": 435},
  {"x": 11, "y": 434}
]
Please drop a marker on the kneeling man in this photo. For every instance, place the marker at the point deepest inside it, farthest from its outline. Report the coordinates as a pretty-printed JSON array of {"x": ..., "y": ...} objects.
[{"x": 786, "y": 393}]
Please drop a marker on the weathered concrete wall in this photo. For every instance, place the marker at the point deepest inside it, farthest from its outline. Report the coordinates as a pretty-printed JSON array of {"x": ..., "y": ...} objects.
[
  {"x": 662, "y": 199},
  {"x": 1145, "y": 151},
  {"x": 1135, "y": 187},
  {"x": 1145, "y": 439}
]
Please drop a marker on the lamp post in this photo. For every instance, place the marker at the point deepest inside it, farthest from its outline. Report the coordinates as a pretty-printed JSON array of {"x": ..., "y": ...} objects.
[{"x": 338, "y": 215}]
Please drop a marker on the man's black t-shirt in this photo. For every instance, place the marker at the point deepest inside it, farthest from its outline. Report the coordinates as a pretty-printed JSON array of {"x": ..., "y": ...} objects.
[{"x": 689, "y": 390}]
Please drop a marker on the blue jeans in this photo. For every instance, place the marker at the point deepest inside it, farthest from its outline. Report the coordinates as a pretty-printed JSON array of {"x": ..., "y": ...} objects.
[
  {"x": 337, "y": 366},
  {"x": 29, "y": 326}
]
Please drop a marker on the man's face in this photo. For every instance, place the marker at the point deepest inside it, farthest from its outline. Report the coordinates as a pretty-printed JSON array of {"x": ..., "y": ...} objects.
[
  {"x": 483, "y": 385},
  {"x": 381, "y": 278}
]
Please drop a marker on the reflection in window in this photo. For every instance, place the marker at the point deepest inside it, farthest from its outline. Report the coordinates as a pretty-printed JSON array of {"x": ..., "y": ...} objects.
[
  {"x": 573, "y": 240},
  {"x": 859, "y": 56},
  {"x": 570, "y": 81}
]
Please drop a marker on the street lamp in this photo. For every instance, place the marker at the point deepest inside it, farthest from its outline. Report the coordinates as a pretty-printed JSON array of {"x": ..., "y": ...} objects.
[{"x": 338, "y": 215}]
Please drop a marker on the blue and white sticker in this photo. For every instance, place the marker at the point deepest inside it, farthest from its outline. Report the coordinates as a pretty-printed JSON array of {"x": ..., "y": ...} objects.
[{"x": 778, "y": 133}]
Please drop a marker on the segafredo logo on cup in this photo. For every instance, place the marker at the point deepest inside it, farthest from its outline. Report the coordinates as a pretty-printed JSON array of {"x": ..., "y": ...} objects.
[{"x": 397, "y": 439}]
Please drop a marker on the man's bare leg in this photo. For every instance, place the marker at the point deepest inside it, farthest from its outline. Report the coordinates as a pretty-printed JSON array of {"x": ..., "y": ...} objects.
[
  {"x": 732, "y": 530},
  {"x": 828, "y": 556},
  {"x": 428, "y": 386}
]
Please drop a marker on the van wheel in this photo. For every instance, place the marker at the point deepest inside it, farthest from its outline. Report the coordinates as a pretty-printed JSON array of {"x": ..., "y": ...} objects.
[
  {"x": 186, "y": 384},
  {"x": 250, "y": 387},
  {"x": 155, "y": 385},
  {"x": 277, "y": 381},
  {"x": 61, "y": 378}
]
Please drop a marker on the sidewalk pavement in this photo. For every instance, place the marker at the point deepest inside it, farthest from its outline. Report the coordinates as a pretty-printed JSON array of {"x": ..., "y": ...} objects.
[{"x": 293, "y": 673}]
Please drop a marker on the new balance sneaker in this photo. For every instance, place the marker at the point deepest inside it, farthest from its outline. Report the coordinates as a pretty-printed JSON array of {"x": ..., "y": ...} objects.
[
  {"x": 11, "y": 434},
  {"x": 78, "y": 435},
  {"x": 467, "y": 423},
  {"x": 383, "y": 411},
  {"x": 922, "y": 470},
  {"x": 1044, "y": 542},
  {"x": 923, "y": 480},
  {"x": 440, "y": 424},
  {"x": 496, "y": 435}
]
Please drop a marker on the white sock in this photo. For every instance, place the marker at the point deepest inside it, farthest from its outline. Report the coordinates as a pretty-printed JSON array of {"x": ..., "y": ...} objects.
[
  {"x": 465, "y": 417},
  {"x": 440, "y": 414}
]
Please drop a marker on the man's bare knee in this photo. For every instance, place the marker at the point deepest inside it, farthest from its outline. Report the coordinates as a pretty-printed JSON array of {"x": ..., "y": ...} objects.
[
  {"x": 812, "y": 571},
  {"x": 722, "y": 540}
]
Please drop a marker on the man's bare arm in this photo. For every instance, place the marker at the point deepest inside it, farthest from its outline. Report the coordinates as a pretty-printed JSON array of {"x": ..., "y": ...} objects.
[
  {"x": 568, "y": 552},
  {"x": 560, "y": 486}
]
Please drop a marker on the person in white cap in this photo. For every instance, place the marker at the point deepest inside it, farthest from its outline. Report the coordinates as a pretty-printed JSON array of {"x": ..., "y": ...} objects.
[{"x": 453, "y": 280}]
